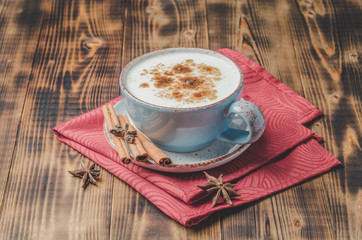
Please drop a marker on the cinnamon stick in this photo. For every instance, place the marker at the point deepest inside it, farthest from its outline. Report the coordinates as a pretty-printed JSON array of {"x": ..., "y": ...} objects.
[
  {"x": 113, "y": 115},
  {"x": 153, "y": 151},
  {"x": 107, "y": 118},
  {"x": 121, "y": 147},
  {"x": 137, "y": 149}
]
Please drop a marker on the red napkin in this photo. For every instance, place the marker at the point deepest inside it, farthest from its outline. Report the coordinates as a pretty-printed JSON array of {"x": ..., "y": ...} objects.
[{"x": 286, "y": 154}]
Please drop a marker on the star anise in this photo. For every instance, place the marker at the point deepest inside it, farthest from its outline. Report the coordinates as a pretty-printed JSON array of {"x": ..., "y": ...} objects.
[
  {"x": 222, "y": 189},
  {"x": 88, "y": 174},
  {"x": 129, "y": 136},
  {"x": 118, "y": 131}
]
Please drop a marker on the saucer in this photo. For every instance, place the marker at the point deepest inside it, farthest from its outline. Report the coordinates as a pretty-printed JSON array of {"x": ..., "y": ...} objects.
[{"x": 215, "y": 155}]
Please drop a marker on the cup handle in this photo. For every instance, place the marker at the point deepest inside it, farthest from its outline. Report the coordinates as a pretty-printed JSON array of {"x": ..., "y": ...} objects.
[{"x": 252, "y": 116}]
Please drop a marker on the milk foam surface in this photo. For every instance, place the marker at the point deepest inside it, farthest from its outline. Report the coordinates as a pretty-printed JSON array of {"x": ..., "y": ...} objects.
[{"x": 140, "y": 79}]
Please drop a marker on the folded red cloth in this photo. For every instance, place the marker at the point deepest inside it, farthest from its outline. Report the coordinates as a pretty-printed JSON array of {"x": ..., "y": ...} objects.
[{"x": 286, "y": 154}]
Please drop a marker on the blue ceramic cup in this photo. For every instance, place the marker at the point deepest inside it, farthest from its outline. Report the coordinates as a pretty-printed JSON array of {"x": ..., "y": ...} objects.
[{"x": 193, "y": 128}]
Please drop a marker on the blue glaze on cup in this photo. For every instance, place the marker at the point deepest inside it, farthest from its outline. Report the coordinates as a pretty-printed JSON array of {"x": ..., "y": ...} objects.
[{"x": 191, "y": 129}]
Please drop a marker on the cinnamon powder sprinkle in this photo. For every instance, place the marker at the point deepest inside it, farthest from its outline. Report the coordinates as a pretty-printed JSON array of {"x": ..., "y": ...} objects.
[
  {"x": 169, "y": 73},
  {"x": 162, "y": 81},
  {"x": 187, "y": 81},
  {"x": 144, "y": 85},
  {"x": 191, "y": 82},
  {"x": 180, "y": 68},
  {"x": 177, "y": 95},
  {"x": 205, "y": 69}
]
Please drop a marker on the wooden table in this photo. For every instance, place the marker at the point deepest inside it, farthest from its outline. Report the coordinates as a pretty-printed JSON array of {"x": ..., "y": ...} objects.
[{"x": 59, "y": 59}]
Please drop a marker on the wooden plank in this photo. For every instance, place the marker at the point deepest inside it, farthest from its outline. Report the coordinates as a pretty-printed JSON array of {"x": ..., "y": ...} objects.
[
  {"x": 149, "y": 26},
  {"x": 276, "y": 43},
  {"x": 331, "y": 81},
  {"x": 133, "y": 217},
  {"x": 253, "y": 29},
  {"x": 76, "y": 68},
  {"x": 239, "y": 223},
  {"x": 210, "y": 229},
  {"x": 19, "y": 31},
  {"x": 223, "y": 19},
  {"x": 302, "y": 212},
  {"x": 227, "y": 27}
]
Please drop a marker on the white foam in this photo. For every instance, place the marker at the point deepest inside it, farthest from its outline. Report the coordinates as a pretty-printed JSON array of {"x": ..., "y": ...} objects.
[{"x": 134, "y": 77}]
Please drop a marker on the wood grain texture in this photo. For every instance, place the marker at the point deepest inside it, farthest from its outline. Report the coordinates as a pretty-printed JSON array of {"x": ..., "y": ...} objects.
[
  {"x": 280, "y": 40},
  {"x": 76, "y": 68},
  {"x": 258, "y": 34},
  {"x": 19, "y": 31},
  {"x": 225, "y": 20},
  {"x": 59, "y": 59},
  {"x": 328, "y": 84}
]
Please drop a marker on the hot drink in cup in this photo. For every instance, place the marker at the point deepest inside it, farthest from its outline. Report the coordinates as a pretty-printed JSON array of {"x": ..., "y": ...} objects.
[{"x": 184, "y": 99}]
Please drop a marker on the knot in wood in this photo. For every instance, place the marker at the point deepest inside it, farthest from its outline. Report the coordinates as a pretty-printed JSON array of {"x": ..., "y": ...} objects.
[
  {"x": 90, "y": 46},
  {"x": 353, "y": 56},
  {"x": 335, "y": 96},
  {"x": 297, "y": 223},
  {"x": 310, "y": 14},
  {"x": 267, "y": 226},
  {"x": 190, "y": 33},
  {"x": 93, "y": 43}
]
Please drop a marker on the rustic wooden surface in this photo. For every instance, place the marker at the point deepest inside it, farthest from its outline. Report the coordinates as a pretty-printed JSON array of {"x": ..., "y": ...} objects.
[{"x": 59, "y": 59}]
